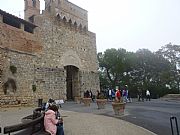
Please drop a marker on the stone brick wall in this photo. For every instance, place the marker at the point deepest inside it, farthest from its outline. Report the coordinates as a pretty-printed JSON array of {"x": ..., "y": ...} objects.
[
  {"x": 23, "y": 77},
  {"x": 90, "y": 81},
  {"x": 65, "y": 45},
  {"x": 41, "y": 59},
  {"x": 30, "y": 9},
  {"x": 59, "y": 38},
  {"x": 20, "y": 49},
  {"x": 18, "y": 39},
  {"x": 50, "y": 82}
]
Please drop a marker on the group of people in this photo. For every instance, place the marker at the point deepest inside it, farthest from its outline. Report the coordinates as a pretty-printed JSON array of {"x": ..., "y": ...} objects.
[
  {"x": 53, "y": 121},
  {"x": 144, "y": 94},
  {"x": 89, "y": 94},
  {"x": 117, "y": 94},
  {"x": 110, "y": 94}
]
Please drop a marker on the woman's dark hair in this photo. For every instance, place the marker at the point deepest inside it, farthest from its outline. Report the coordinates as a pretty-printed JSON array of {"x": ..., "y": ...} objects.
[
  {"x": 51, "y": 100},
  {"x": 53, "y": 107}
]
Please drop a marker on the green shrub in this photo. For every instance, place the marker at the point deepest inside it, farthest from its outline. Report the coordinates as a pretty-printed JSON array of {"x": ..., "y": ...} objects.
[{"x": 101, "y": 96}]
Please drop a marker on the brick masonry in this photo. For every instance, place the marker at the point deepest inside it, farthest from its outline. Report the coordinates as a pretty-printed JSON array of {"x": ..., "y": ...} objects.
[{"x": 41, "y": 60}]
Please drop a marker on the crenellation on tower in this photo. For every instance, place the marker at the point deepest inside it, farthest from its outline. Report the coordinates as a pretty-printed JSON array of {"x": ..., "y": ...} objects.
[
  {"x": 68, "y": 10},
  {"x": 69, "y": 23}
]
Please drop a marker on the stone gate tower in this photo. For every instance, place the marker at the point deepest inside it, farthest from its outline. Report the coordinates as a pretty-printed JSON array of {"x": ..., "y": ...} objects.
[
  {"x": 69, "y": 50},
  {"x": 53, "y": 54}
]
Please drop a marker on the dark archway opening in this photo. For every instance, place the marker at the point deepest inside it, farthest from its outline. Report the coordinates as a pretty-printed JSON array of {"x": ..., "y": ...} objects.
[{"x": 71, "y": 81}]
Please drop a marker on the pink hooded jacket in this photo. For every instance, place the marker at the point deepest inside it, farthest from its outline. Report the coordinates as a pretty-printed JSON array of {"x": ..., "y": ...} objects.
[{"x": 50, "y": 122}]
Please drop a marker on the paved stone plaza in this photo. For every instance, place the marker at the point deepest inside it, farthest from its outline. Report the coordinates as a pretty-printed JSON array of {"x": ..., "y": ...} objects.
[{"x": 76, "y": 123}]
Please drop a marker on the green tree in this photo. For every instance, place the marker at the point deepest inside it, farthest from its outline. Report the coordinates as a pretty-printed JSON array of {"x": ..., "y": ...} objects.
[
  {"x": 149, "y": 70},
  {"x": 115, "y": 64},
  {"x": 143, "y": 69},
  {"x": 172, "y": 54}
]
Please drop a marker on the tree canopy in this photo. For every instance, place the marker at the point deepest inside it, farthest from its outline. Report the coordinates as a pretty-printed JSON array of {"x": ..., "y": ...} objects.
[{"x": 156, "y": 71}]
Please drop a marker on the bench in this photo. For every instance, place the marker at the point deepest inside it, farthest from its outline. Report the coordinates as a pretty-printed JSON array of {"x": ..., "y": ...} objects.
[{"x": 32, "y": 127}]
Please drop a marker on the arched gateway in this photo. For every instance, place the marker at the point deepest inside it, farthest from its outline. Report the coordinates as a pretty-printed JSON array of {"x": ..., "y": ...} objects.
[
  {"x": 72, "y": 65},
  {"x": 72, "y": 82}
]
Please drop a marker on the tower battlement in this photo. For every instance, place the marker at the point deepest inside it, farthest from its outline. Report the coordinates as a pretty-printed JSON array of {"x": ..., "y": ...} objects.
[
  {"x": 70, "y": 11},
  {"x": 69, "y": 23},
  {"x": 31, "y": 8}
]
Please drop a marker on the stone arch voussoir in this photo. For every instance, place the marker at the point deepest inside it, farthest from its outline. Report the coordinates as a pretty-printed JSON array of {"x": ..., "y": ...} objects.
[{"x": 71, "y": 58}]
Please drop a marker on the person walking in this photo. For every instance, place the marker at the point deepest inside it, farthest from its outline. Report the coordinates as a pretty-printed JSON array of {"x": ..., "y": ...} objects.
[
  {"x": 148, "y": 95},
  {"x": 110, "y": 94},
  {"x": 113, "y": 94}
]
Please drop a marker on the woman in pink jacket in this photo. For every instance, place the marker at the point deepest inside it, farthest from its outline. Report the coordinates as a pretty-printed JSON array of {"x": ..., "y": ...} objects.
[{"x": 51, "y": 124}]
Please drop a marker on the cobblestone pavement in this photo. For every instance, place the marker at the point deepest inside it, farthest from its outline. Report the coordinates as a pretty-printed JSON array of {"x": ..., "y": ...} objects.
[
  {"x": 78, "y": 123},
  {"x": 10, "y": 116},
  {"x": 90, "y": 124}
]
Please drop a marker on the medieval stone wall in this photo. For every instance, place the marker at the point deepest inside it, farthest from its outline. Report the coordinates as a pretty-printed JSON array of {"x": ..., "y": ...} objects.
[
  {"x": 50, "y": 82},
  {"x": 41, "y": 59},
  {"x": 18, "y": 49},
  {"x": 23, "y": 77},
  {"x": 17, "y": 39},
  {"x": 90, "y": 81},
  {"x": 62, "y": 42},
  {"x": 31, "y": 9},
  {"x": 59, "y": 38}
]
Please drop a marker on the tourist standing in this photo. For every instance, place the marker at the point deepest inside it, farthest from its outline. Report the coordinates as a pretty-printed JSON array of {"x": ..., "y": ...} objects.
[
  {"x": 118, "y": 95},
  {"x": 91, "y": 95},
  {"x": 87, "y": 94},
  {"x": 148, "y": 95},
  {"x": 97, "y": 94}
]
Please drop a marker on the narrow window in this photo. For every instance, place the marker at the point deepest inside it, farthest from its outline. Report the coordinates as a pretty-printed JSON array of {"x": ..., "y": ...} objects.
[
  {"x": 34, "y": 3},
  {"x": 26, "y": 4}
]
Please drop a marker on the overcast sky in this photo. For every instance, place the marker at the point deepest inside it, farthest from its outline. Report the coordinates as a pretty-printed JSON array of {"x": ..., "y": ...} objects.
[{"x": 128, "y": 24}]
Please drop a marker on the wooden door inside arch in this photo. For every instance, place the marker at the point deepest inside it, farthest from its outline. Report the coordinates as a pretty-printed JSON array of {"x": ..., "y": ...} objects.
[{"x": 72, "y": 81}]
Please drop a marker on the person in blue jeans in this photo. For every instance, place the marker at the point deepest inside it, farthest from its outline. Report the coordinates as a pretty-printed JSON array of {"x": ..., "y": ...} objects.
[
  {"x": 60, "y": 130},
  {"x": 113, "y": 94}
]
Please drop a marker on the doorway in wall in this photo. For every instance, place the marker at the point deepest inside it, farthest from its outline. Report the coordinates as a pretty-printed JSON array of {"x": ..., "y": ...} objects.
[{"x": 72, "y": 81}]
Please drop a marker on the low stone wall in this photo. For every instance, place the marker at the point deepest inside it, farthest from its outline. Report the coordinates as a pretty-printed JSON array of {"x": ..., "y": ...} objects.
[{"x": 171, "y": 96}]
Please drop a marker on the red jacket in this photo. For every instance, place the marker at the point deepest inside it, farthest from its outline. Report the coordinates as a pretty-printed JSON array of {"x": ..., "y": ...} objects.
[{"x": 118, "y": 93}]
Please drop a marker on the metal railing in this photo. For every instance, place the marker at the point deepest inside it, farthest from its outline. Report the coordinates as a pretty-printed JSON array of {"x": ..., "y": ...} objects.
[{"x": 173, "y": 119}]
